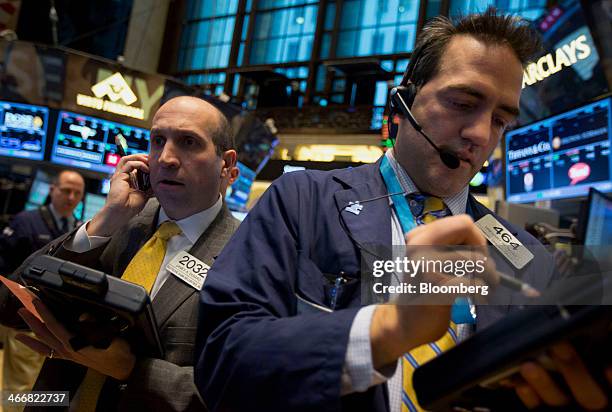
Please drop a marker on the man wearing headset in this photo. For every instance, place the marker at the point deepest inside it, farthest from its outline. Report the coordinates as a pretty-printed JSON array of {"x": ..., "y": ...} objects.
[
  {"x": 283, "y": 327},
  {"x": 135, "y": 236}
]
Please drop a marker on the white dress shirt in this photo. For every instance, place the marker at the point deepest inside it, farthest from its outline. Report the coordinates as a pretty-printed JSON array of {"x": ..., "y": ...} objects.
[
  {"x": 358, "y": 372},
  {"x": 192, "y": 228}
]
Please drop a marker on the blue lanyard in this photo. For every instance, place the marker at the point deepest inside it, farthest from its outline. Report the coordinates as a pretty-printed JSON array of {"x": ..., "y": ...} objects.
[
  {"x": 400, "y": 205},
  {"x": 460, "y": 312}
]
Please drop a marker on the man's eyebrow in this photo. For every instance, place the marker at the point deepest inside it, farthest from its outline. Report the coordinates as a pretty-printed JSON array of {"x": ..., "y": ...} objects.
[
  {"x": 511, "y": 110},
  {"x": 170, "y": 129}
]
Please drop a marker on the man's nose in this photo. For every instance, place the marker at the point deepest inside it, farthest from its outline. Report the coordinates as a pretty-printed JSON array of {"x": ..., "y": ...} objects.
[
  {"x": 168, "y": 156},
  {"x": 478, "y": 131}
]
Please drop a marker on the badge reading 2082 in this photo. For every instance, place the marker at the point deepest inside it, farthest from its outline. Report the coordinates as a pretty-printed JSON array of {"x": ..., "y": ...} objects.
[
  {"x": 189, "y": 269},
  {"x": 504, "y": 241}
]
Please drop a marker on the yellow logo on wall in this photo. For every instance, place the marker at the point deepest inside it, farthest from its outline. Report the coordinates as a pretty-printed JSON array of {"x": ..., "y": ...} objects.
[{"x": 115, "y": 88}]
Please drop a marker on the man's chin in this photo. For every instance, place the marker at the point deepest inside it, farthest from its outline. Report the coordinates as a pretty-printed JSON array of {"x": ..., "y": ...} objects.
[{"x": 445, "y": 184}]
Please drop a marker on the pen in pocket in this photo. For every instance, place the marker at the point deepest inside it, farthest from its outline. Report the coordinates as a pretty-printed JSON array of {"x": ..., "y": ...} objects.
[{"x": 334, "y": 290}]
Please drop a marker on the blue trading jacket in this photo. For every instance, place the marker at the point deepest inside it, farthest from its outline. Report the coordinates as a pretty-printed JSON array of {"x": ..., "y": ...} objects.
[{"x": 262, "y": 343}]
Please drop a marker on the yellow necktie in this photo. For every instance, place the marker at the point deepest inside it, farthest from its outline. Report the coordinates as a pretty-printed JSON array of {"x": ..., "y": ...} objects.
[
  {"x": 142, "y": 270},
  {"x": 145, "y": 265},
  {"x": 426, "y": 209}
]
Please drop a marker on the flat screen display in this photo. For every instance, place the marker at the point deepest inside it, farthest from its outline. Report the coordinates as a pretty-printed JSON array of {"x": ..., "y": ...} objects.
[
  {"x": 39, "y": 189},
  {"x": 238, "y": 193},
  {"x": 599, "y": 224},
  {"x": 23, "y": 129},
  {"x": 89, "y": 142},
  {"x": 562, "y": 156},
  {"x": 92, "y": 205}
]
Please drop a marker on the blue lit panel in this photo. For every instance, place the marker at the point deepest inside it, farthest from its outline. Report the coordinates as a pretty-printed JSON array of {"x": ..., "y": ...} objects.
[
  {"x": 89, "y": 143},
  {"x": 92, "y": 205},
  {"x": 369, "y": 27},
  {"x": 562, "y": 156},
  {"x": 238, "y": 193},
  {"x": 528, "y": 9},
  {"x": 23, "y": 130},
  {"x": 285, "y": 35}
]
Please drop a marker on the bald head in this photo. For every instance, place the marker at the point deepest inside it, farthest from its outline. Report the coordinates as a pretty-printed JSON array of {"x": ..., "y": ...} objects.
[
  {"x": 211, "y": 118},
  {"x": 190, "y": 155}
]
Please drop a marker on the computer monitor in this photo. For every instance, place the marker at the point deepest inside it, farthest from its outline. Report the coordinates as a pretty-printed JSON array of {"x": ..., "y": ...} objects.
[
  {"x": 23, "y": 130},
  {"x": 562, "y": 156},
  {"x": 238, "y": 193},
  {"x": 89, "y": 142},
  {"x": 92, "y": 204},
  {"x": 598, "y": 227},
  {"x": 39, "y": 189}
]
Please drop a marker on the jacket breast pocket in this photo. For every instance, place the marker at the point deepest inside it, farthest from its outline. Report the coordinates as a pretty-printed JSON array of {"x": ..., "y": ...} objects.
[
  {"x": 319, "y": 291},
  {"x": 179, "y": 344}
]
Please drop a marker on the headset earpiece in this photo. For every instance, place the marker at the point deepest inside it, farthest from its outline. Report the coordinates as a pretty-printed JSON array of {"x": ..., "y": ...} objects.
[
  {"x": 409, "y": 94},
  {"x": 400, "y": 101}
]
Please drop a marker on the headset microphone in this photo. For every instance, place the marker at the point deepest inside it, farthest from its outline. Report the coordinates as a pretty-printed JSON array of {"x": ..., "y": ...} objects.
[{"x": 398, "y": 96}]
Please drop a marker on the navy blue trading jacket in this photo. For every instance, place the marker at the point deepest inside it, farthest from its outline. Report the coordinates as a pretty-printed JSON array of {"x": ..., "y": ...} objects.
[{"x": 262, "y": 344}]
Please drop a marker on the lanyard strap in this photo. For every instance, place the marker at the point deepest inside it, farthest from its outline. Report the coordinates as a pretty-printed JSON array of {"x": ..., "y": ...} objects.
[
  {"x": 400, "y": 205},
  {"x": 460, "y": 312}
]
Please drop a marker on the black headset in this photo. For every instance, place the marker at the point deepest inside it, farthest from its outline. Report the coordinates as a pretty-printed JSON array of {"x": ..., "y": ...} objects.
[{"x": 406, "y": 92}]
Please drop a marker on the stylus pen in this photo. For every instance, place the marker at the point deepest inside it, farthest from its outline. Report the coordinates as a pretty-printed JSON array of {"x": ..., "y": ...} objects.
[{"x": 516, "y": 284}]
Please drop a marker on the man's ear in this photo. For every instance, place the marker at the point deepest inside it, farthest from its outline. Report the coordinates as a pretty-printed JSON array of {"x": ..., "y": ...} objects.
[
  {"x": 229, "y": 161},
  {"x": 234, "y": 173}
]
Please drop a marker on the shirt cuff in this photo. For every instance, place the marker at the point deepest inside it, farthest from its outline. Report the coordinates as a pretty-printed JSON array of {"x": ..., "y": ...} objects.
[
  {"x": 358, "y": 373},
  {"x": 81, "y": 242}
]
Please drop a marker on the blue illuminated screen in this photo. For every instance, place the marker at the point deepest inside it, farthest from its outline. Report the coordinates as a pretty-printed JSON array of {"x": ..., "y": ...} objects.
[
  {"x": 237, "y": 194},
  {"x": 93, "y": 204},
  {"x": 23, "y": 129},
  {"x": 598, "y": 230},
  {"x": 89, "y": 142},
  {"x": 562, "y": 156}
]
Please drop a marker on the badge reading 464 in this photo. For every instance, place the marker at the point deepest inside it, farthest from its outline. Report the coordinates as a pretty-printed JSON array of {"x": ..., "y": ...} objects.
[{"x": 504, "y": 241}]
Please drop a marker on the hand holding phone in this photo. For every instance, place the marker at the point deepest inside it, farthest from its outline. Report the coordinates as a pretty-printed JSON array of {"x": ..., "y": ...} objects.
[{"x": 142, "y": 180}]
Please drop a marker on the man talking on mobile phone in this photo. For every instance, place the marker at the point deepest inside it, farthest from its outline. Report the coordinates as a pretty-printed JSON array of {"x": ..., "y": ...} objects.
[{"x": 137, "y": 236}]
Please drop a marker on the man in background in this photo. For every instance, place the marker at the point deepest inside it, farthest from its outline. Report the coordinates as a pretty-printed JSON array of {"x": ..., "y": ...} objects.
[{"x": 27, "y": 232}]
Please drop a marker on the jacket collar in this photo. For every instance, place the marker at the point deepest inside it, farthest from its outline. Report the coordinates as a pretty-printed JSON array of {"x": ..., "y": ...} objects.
[{"x": 370, "y": 224}]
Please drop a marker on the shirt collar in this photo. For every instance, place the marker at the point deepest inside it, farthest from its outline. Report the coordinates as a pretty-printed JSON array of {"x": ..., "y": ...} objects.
[
  {"x": 456, "y": 203},
  {"x": 193, "y": 226},
  {"x": 58, "y": 218}
]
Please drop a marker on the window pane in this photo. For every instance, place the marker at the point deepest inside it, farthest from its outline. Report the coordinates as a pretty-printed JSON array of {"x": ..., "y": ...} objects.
[
  {"x": 389, "y": 12},
  {"x": 325, "y": 46},
  {"x": 365, "y": 45},
  {"x": 405, "y": 38},
  {"x": 382, "y": 27},
  {"x": 350, "y": 14},
  {"x": 346, "y": 43},
  {"x": 380, "y": 96},
  {"x": 369, "y": 13},
  {"x": 287, "y": 34},
  {"x": 321, "y": 77},
  {"x": 213, "y": 34},
  {"x": 330, "y": 16}
]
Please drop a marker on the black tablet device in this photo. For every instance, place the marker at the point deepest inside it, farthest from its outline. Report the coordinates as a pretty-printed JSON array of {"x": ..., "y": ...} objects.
[
  {"x": 93, "y": 306},
  {"x": 468, "y": 376}
]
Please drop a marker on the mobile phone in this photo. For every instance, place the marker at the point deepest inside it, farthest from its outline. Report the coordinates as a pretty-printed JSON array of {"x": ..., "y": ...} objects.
[{"x": 143, "y": 181}]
